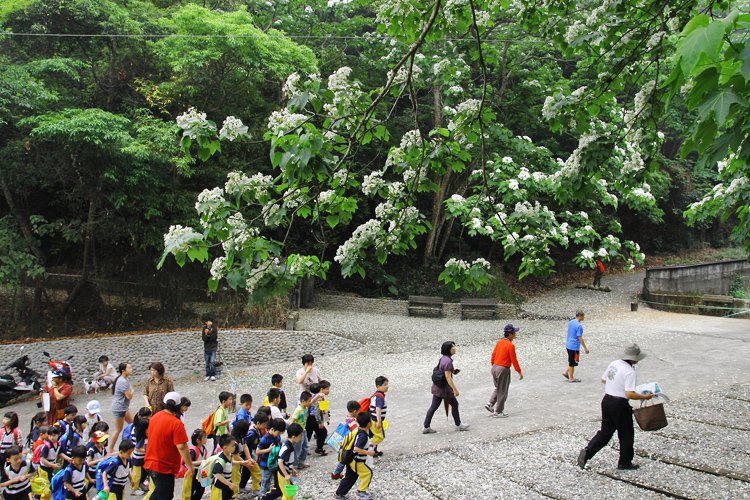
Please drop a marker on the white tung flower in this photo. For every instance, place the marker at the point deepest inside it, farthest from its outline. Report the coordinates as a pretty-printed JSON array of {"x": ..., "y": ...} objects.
[
  {"x": 587, "y": 254},
  {"x": 507, "y": 160},
  {"x": 232, "y": 128}
]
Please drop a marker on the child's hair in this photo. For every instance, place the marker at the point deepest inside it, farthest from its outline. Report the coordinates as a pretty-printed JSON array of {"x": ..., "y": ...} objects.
[
  {"x": 278, "y": 424},
  {"x": 352, "y": 407},
  {"x": 13, "y": 417},
  {"x": 140, "y": 426},
  {"x": 120, "y": 370},
  {"x": 144, "y": 411},
  {"x": 198, "y": 434},
  {"x": 314, "y": 388},
  {"x": 226, "y": 439},
  {"x": 260, "y": 418},
  {"x": 264, "y": 409},
  {"x": 305, "y": 396},
  {"x": 380, "y": 381},
  {"x": 246, "y": 398},
  {"x": 53, "y": 431},
  {"x": 43, "y": 429},
  {"x": 78, "y": 452},
  {"x": 12, "y": 451},
  {"x": 103, "y": 358},
  {"x": 185, "y": 402},
  {"x": 126, "y": 445},
  {"x": 294, "y": 430},
  {"x": 206, "y": 318},
  {"x": 39, "y": 418},
  {"x": 276, "y": 378},
  {"x": 273, "y": 394},
  {"x": 363, "y": 419},
  {"x": 99, "y": 426},
  {"x": 80, "y": 419},
  {"x": 224, "y": 395},
  {"x": 239, "y": 431},
  {"x": 308, "y": 358},
  {"x": 324, "y": 384},
  {"x": 70, "y": 410}
]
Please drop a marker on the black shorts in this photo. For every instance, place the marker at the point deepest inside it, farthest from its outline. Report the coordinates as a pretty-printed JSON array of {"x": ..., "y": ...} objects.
[{"x": 572, "y": 357}]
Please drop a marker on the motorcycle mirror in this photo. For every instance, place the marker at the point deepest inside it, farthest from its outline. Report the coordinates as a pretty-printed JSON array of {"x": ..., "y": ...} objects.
[
  {"x": 46, "y": 353},
  {"x": 23, "y": 347}
]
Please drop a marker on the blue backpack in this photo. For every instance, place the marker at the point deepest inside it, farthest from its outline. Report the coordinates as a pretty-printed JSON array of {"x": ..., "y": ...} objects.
[
  {"x": 108, "y": 465},
  {"x": 57, "y": 484},
  {"x": 69, "y": 440},
  {"x": 127, "y": 433}
]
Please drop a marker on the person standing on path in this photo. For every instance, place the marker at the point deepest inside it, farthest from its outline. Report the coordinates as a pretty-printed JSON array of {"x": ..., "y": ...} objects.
[
  {"x": 59, "y": 396},
  {"x": 619, "y": 387},
  {"x": 573, "y": 344},
  {"x": 123, "y": 393},
  {"x": 308, "y": 374},
  {"x": 210, "y": 336},
  {"x": 447, "y": 392},
  {"x": 156, "y": 387},
  {"x": 599, "y": 273},
  {"x": 503, "y": 357},
  {"x": 167, "y": 448}
]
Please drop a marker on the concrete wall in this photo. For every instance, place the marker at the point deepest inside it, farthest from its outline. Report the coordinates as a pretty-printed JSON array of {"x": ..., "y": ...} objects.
[
  {"x": 713, "y": 278},
  {"x": 394, "y": 307}
]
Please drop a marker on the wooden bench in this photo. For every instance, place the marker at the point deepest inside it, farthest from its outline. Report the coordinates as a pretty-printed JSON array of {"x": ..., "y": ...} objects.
[
  {"x": 484, "y": 308},
  {"x": 421, "y": 305},
  {"x": 723, "y": 300}
]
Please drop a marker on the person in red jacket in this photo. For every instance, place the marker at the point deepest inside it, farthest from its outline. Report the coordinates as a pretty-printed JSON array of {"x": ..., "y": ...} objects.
[
  {"x": 503, "y": 356},
  {"x": 599, "y": 273}
]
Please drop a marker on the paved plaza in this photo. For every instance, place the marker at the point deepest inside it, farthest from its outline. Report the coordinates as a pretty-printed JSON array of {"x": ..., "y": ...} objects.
[{"x": 701, "y": 363}]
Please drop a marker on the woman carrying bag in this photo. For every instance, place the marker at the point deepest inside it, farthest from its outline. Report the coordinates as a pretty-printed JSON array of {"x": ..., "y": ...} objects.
[{"x": 444, "y": 389}]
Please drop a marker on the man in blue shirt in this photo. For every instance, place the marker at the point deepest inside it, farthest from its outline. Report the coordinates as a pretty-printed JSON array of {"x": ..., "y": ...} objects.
[{"x": 573, "y": 345}]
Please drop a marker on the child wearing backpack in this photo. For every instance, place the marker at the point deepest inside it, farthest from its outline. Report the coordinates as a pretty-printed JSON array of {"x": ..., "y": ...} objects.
[
  {"x": 14, "y": 475},
  {"x": 243, "y": 413},
  {"x": 270, "y": 440},
  {"x": 359, "y": 458},
  {"x": 72, "y": 437},
  {"x": 192, "y": 489},
  {"x": 216, "y": 424},
  {"x": 352, "y": 409},
  {"x": 37, "y": 445},
  {"x": 378, "y": 410},
  {"x": 69, "y": 414},
  {"x": 37, "y": 421},
  {"x": 48, "y": 455},
  {"x": 95, "y": 452},
  {"x": 277, "y": 382},
  {"x": 113, "y": 473},
  {"x": 10, "y": 434},
  {"x": 74, "y": 476},
  {"x": 285, "y": 462},
  {"x": 299, "y": 417},
  {"x": 252, "y": 439},
  {"x": 139, "y": 439},
  {"x": 318, "y": 415},
  {"x": 223, "y": 488}
]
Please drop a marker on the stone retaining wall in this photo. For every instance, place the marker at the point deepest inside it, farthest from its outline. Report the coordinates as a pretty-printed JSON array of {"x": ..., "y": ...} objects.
[
  {"x": 394, "y": 307},
  {"x": 181, "y": 352},
  {"x": 712, "y": 278}
]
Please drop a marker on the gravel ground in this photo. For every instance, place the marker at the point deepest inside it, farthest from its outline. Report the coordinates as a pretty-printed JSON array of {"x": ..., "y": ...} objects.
[{"x": 697, "y": 360}]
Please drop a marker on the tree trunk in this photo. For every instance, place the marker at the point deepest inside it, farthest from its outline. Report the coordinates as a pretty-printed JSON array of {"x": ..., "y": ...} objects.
[
  {"x": 87, "y": 239},
  {"x": 23, "y": 222}
]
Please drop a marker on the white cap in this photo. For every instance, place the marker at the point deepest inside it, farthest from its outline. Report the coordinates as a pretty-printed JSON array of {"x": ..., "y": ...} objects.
[
  {"x": 94, "y": 406},
  {"x": 173, "y": 397}
]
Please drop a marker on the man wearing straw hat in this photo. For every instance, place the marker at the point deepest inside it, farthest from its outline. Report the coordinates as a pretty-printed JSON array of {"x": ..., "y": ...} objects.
[{"x": 619, "y": 387}]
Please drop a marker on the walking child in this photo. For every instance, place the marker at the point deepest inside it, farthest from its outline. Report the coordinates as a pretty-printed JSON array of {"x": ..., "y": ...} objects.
[
  {"x": 378, "y": 410},
  {"x": 48, "y": 455},
  {"x": 221, "y": 416},
  {"x": 277, "y": 382},
  {"x": 223, "y": 488},
  {"x": 95, "y": 452},
  {"x": 286, "y": 471},
  {"x": 318, "y": 415},
  {"x": 140, "y": 440},
  {"x": 272, "y": 438},
  {"x": 10, "y": 434},
  {"x": 243, "y": 413},
  {"x": 117, "y": 472},
  {"x": 73, "y": 437},
  {"x": 299, "y": 417},
  {"x": 198, "y": 453},
  {"x": 573, "y": 343},
  {"x": 210, "y": 337},
  {"x": 258, "y": 428},
  {"x": 274, "y": 400},
  {"x": 352, "y": 409},
  {"x": 360, "y": 468},
  {"x": 14, "y": 475},
  {"x": 75, "y": 474}
]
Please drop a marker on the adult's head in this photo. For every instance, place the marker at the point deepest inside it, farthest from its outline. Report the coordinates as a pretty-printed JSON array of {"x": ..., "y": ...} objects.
[
  {"x": 157, "y": 370},
  {"x": 632, "y": 354},
  {"x": 510, "y": 331},
  {"x": 206, "y": 318},
  {"x": 448, "y": 348},
  {"x": 308, "y": 359},
  {"x": 124, "y": 370},
  {"x": 580, "y": 315},
  {"x": 103, "y": 359}
]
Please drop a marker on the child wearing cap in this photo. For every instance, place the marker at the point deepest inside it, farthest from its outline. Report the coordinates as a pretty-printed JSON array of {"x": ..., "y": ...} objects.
[
  {"x": 93, "y": 413},
  {"x": 95, "y": 452},
  {"x": 503, "y": 356}
]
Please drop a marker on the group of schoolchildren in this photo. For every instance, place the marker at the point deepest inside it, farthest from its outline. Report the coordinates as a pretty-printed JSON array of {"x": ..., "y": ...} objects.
[{"x": 63, "y": 461}]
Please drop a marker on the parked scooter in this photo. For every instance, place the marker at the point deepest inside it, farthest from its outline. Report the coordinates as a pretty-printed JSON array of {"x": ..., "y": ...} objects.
[
  {"x": 59, "y": 364},
  {"x": 27, "y": 380}
]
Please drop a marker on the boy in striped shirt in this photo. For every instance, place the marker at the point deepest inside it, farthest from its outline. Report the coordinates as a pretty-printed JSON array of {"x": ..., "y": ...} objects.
[
  {"x": 74, "y": 475},
  {"x": 14, "y": 476}
]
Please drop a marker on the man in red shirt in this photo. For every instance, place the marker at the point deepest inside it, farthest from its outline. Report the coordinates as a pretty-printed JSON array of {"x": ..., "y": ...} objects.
[
  {"x": 503, "y": 356},
  {"x": 59, "y": 395},
  {"x": 167, "y": 448},
  {"x": 599, "y": 273}
]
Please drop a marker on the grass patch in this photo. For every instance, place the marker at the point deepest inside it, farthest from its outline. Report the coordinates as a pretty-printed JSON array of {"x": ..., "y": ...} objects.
[{"x": 699, "y": 256}]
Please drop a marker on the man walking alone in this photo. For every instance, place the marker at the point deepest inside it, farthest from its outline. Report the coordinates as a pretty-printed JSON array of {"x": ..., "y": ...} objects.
[
  {"x": 503, "y": 356},
  {"x": 210, "y": 336}
]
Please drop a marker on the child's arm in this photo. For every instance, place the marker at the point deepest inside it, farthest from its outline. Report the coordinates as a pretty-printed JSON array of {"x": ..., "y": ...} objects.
[
  {"x": 379, "y": 421},
  {"x": 105, "y": 481},
  {"x": 70, "y": 488},
  {"x": 260, "y": 451},
  {"x": 15, "y": 480},
  {"x": 361, "y": 451},
  {"x": 220, "y": 478},
  {"x": 65, "y": 457},
  {"x": 286, "y": 473},
  {"x": 53, "y": 465}
]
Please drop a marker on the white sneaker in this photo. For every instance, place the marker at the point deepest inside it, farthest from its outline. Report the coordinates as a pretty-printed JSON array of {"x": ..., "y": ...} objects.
[
  {"x": 500, "y": 415},
  {"x": 428, "y": 430},
  {"x": 213, "y": 379},
  {"x": 489, "y": 407},
  {"x": 207, "y": 379},
  {"x": 463, "y": 427},
  {"x": 138, "y": 493}
]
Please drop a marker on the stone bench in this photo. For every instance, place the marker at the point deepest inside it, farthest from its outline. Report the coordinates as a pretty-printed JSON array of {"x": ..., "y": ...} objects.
[{"x": 422, "y": 305}]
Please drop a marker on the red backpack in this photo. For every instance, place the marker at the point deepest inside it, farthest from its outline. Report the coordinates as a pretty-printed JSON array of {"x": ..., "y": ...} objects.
[{"x": 364, "y": 403}]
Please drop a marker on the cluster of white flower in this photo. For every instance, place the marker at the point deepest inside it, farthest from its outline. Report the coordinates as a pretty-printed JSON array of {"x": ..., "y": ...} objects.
[
  {"x": 191, "y": 122},
  {"x": 457, "y": 264},
  {"x": 577, "y": 93},
  {"x": 454, "y": 90},
  {"x": 481, "y": 262},
  {"x": 326, "y": 196},
  {"x": 655, "y": 39},
  {"x": 403, "y": 74},
  {"x": 219, "y": 268},
  {"x": 547, "y": 112},
  {"x": 643, "y": 193},
  {"x": 587, "y": 254},
  {"x": 603, "y": 252},
  {"x": 457, "y": 198},
  {"x": 372, "y": 183},
  {"x": 260, "y": 272},
  {"x": 737, "y": 184},
  {"x": 284, "y": 121},
  {"x": 507, "y": 160},
  {"x": 469, "y": 106},
  {"x": 239, "y": 233},
  {"x": 363, "y": 235},
  {"x": 209, "y": 201},
  {"x": 440, "y": 67},
  {"x": 344, "y": 92},
  {"x": 232, "y": 128},
  {"x": 574, "y": 31},
  {"x": 513, "y": 184},
  {"x": 341, "y": 175},
  {"x": 633, "y": 163},
  {"x": 396, "y": 189},
  {"x": 524, "y": 174},
  {"x": 539, "y": 176},
  {"x": 451, "y": 7},
  {"x": 613, "y": 241},
  {"x": 179, "y": 238},
  {"x": 290, "y": 87},
  {"x": 239, "y": 183}
]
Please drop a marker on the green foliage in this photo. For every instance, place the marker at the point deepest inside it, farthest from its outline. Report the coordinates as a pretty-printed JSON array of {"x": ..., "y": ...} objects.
[
  {"x": 17, "y": 260},
  {"x": 737, "y": 290}
]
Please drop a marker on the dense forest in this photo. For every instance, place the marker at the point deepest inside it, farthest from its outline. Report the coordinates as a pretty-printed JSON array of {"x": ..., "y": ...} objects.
[{"x": 386, "y": 147}]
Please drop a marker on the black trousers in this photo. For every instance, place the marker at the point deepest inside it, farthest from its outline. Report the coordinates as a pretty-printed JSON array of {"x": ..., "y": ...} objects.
[
  {"x": 275, "y": 489},
  {"x": 196, "y": 488},
  {"x": 436, "y": 404},
  {"x": 617, "y": 415},
  {"x": 163, "y": 486},
  {"x": 598, "y": 278},
  {"x": 313, "y": 427}
]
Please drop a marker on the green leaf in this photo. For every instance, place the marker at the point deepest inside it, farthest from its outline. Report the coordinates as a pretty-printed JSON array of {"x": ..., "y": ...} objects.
[
  {"x": 745, "y": 57},
  {"x": 332, "y": 220},
  {"x": 719, "y": 103},
  {"x": 701, "y": 20},
  {"x": 704, "y": 41}
]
